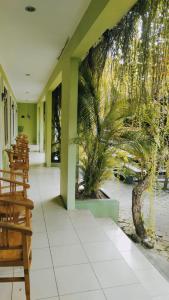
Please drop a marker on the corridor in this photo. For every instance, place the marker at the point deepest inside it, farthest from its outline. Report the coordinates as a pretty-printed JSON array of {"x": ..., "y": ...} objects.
[{"x": 78, "y": 257}]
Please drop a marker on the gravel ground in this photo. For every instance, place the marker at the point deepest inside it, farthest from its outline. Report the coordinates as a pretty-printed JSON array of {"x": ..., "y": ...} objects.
[{"x": 160, "y": 219}]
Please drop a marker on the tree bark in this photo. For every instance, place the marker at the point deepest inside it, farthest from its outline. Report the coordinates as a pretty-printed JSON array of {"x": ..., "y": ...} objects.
[
  {"x": 165, "y": 187},
  {"x": 137, "y": 208}
]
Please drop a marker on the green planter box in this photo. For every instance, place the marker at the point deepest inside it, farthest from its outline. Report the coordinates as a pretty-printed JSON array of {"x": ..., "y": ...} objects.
[{"x": 100, "y": 207}]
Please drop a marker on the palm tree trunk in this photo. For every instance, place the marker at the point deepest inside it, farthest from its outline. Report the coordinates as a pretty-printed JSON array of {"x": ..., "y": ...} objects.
[
  {"x": 165, "y": 187},
  {"x": 137, "y": 207}
]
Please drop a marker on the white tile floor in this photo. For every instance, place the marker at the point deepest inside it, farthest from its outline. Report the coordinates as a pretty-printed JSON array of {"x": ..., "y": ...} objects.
[{"x": 78, "y": 257}]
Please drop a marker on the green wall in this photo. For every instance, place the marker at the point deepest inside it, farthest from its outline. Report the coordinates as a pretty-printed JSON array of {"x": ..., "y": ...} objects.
[
  {"x": 27, "y": 117},
  {"x": 12, "y": 119}
]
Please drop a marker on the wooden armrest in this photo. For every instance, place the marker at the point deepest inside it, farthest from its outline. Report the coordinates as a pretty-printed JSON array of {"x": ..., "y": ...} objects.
[
  {"x": 11, "y": 172},
  {"x": 27, "y": 203},
  {"x": 26, "y": 185},
  {"x": 14, "y": 227}
]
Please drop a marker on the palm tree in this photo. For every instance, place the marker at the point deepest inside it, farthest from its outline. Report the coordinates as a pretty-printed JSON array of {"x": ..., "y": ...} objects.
[
  {"x": 142, "y": 149},
  {"x": 100, "y": 127},
  {"x": 147, "y": 145}
]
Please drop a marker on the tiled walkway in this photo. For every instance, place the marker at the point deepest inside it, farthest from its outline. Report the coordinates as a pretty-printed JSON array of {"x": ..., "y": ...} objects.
[{"x": 78, "y": 257}]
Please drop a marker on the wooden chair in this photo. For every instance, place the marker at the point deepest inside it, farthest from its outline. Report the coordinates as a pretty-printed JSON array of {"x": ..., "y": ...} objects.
[
  {"x": 18, "y": 156},
  {"x": 13, "y": 188},
  {"x": 22, "y": 141},
  {"x": 21, "y": 145},
  {"x": 22, "y": 136},
  {"x": 13, "y": 183},
  {"x": 18, "y": 161},
  {"x": 15, "y": 240},
  {"x": 21, "y": 154}
]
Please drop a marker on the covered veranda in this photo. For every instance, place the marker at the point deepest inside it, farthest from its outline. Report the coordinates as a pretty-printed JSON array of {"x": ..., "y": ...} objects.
[
  {"x": 79, "y": 257},
  {"x": 76, "y": 256}
]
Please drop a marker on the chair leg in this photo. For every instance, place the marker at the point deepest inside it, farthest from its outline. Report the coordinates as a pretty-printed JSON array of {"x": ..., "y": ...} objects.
[{"x": 27, "y": 284}]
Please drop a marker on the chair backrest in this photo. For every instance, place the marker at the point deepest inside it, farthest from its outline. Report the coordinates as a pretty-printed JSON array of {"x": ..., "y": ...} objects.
[
  {"x": 22, "y": 141},
  {"x": 18, "y": 154},
  {"x": 15, "y": 239},
  {"x": 11, "y": 225},
  {"x": 12, "y": 182},
  {"x": 18, "y": 161},
  {"x": 9, "y": 207}
]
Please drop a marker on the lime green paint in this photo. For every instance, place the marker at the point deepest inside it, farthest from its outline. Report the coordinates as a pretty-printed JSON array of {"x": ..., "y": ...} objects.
[
  {"x": 69, "y": 131},
  {"x": 41, "y": 126},
  {"x": 5, "y": 79},
  {"x": 29, "y": 122},
  {"x": 38, "y": 123},
  {"x": 5, "y": 83},
  {"x": 104, "y": 208},
  {"x": 48, "y": 128},
  {"x": 5, "y": 160},
  {"x": 100, "y": 15}
]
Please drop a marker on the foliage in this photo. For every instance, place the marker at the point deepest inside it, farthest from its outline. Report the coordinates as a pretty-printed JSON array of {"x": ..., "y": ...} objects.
[
  {"x": 127, "y": 67},
  {"x": 100, "y": 129}
]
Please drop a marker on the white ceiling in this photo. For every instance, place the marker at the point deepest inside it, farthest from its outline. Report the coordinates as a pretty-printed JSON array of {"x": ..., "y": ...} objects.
[{"x": 31, "y": 42}]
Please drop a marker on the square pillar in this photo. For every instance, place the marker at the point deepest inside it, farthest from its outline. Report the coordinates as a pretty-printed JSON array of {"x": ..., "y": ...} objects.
[
  {"x": 48, "y": 128},
  {"x": 69, "y": 131},
  {"x": 41, "y": 128},
  {"x": 38, "y": 125}
]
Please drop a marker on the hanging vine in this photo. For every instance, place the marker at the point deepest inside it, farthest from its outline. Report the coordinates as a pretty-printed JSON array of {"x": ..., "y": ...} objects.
[{"x": 130, "y": 63}]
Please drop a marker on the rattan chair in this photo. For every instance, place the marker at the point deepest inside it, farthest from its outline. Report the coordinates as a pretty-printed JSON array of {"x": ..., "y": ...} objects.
[
  {"x": 12, "y": 186},
  {"x": 19, "y": 161},
  {"x": 15, "y": 239}
]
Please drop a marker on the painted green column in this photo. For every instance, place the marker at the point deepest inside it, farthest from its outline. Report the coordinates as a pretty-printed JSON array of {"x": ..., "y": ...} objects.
[
  {"x": 48, "y": 128},
  {"x": 38, "y": 125},
  {"x": 69, "y": 131},
  {"x": 41, "y": 128}
]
